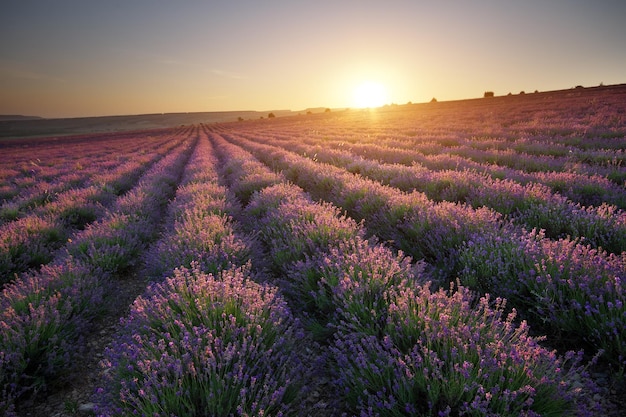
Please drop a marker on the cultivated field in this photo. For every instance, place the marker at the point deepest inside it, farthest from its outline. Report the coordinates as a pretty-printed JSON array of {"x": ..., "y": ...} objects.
[{"x": 440, "y": 259}]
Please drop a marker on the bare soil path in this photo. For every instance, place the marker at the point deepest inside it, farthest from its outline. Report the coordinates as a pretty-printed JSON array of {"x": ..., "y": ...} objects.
[{"x": 73, "y": 394}]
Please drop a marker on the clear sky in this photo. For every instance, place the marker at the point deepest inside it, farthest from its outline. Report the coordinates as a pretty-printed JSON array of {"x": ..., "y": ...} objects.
[{"x": 61, "y": 58}]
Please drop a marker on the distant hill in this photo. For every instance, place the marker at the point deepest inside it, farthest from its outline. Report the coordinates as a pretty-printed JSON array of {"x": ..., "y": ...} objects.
[
  {"x": 27, "y": 126},
  {"x": 4, "y": 117}
]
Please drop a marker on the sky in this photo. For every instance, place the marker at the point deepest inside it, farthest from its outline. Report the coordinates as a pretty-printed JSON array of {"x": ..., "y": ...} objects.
[{"x": 62, "y": 58}]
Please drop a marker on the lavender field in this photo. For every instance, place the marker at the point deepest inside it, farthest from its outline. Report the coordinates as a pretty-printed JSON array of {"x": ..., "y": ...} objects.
[{"x": 462, "y": 258}]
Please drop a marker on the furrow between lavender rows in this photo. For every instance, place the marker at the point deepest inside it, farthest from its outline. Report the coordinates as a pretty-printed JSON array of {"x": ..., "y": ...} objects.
[
  {"x": 568, "y": 290},
  {"x": 391, "y": 343},
  {"x": 47, "y": 314}
]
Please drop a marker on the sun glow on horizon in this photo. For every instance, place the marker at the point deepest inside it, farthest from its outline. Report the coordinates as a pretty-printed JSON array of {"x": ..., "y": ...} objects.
[{"x": 370, "y": 94}]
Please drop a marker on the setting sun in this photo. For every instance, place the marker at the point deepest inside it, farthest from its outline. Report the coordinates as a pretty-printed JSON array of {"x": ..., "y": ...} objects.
[{"x": 370, "y": 94}]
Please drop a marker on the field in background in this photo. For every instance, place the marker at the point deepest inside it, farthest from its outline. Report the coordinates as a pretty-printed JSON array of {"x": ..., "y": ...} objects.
[
  {"x": 384, "y": 240},
  {"x": 16, "y": 127}
]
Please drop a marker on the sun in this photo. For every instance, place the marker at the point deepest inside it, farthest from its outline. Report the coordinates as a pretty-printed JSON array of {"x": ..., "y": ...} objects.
[{"x": 370, "y": 94}]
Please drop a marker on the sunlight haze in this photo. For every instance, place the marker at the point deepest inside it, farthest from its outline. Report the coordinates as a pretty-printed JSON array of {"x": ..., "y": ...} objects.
[{"x": 75, "y": 58}]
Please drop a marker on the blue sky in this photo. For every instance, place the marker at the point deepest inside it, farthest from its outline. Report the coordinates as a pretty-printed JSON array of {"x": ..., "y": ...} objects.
[{"x": 86, "y": 58}]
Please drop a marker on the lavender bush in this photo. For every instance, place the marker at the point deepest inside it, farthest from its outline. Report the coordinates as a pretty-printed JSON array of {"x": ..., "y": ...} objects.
[
  {"x": 80, "y": 207},
  {"x": 573, "y": 291},
  {"x": 347, "y": 284},
  {"x": 114, "y": 244},
  {"x": 441, "y": 356},
  {"x": 201, "y": 344},
  {"x": 42, "y": 315},
  {"x": 28, "y": 243},
  {"x": 295, "y": 227},
  {"x": 208, "y": 240}
]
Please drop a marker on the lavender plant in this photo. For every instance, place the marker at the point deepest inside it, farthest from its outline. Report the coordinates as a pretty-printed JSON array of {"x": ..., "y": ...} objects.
[
  {"x": 201, "y": 344},
  {"x": 346, "y": 285},
  {"x": 42, "y": 315},
  {"x": 28, "y": 243},
  {"x": 441, "y": 356},
  {"x": 208, "y": 240},
  {"x": 114, "y": 244},
  {"x": 294, "y": 227},
  {"x": 78, "y": 207},
  {"x": 573, "y": 291}
]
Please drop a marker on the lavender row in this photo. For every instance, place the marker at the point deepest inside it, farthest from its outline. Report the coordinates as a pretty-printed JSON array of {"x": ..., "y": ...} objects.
[
  {"x": 440, "y": 233},
  {"x": 76, "y": 171},
  {"x": 32, "y": 240},
  {"x": 420, "y": 227},
  {"x": 199, "y": 228},
  {"x": 530, "y": 206},
  {"x": 435, "y": 136},
  {"x": 586, "y": 189},
  {"x": 45, "y": 314},
  {"x": 243, "y": 174},
  {"x": 114, "y": 242},
  {"x": 396, "y": 347},
  {"x": 216, "y": 343}
]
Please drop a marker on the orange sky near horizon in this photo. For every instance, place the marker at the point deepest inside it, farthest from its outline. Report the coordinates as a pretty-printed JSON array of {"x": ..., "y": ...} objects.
[{"x": 75, "y": 58}]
